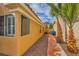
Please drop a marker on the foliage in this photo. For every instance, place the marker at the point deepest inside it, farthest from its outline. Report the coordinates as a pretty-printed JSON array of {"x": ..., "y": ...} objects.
[
  {"x": 70, "y": 14},
  {"x": 51, "y": 26},
  {"x": 68, "y": 11},
  {"x": 56, "y": 11}
]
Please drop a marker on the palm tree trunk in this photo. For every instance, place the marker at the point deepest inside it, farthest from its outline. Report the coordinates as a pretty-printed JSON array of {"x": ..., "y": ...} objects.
[
  {"x": 71, "y": 44},
  {"x": 59, "y": 32},
  {"x": 65, "y": 32}
]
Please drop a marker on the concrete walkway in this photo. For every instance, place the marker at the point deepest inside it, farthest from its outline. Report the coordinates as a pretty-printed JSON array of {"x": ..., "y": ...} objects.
[
  {"x": 39, "y": 48},
  {"x": 54, "y": 48}
]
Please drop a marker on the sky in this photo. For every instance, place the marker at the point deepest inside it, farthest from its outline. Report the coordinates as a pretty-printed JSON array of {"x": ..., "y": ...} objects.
[{"x": 42, "y": 10}]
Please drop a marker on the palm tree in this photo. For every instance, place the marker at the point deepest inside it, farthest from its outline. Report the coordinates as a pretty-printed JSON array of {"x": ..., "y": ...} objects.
[
  {"x": 70, "y": 14},
  {"x": 55, "y": 11}
]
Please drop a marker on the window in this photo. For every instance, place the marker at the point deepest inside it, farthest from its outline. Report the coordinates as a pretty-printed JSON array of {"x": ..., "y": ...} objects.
[
  {"x": 43, "y": 29},
  {"x": 7, "y": 25},
  {"x": 1, "y": 25},
  {"x": 25, "y": 25}
]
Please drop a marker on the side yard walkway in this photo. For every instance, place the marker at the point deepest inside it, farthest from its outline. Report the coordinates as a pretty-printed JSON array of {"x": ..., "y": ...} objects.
[
  {"x": 54, "y": 48},
  {"x": 39, "y": 48}
]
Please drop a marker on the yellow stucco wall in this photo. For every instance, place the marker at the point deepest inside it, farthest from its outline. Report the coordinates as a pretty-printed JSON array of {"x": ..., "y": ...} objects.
[
  {"x": 8, "y": 45},
  {"x": 25, "y": 42},
  {"x": 19, "y": 44}
]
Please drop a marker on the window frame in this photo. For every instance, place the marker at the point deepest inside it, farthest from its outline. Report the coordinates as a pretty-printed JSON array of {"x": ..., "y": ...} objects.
[
  {"x": 3, "y": 27},
  {"x": 12, "y": 15},
  {"x": 27, "y": 19}
]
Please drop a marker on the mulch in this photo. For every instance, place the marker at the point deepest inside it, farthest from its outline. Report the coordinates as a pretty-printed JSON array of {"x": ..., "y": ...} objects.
[{"x": 64, "y": 46}]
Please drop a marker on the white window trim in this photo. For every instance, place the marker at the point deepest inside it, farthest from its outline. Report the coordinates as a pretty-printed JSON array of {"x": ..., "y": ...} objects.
[
  {"x": 7, "y": 25},
  {"x": 11, "y": 34}
]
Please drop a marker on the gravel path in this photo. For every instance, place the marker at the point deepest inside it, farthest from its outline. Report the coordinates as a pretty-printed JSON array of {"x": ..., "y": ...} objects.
[{"x": 39, "y": 48}]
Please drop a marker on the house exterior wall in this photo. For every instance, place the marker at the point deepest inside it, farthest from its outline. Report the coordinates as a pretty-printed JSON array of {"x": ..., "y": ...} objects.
[
  {"x": 25, "y": 42},
  {"x": 19, "y": 44},
  {"x": 8, "y": 45}
]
